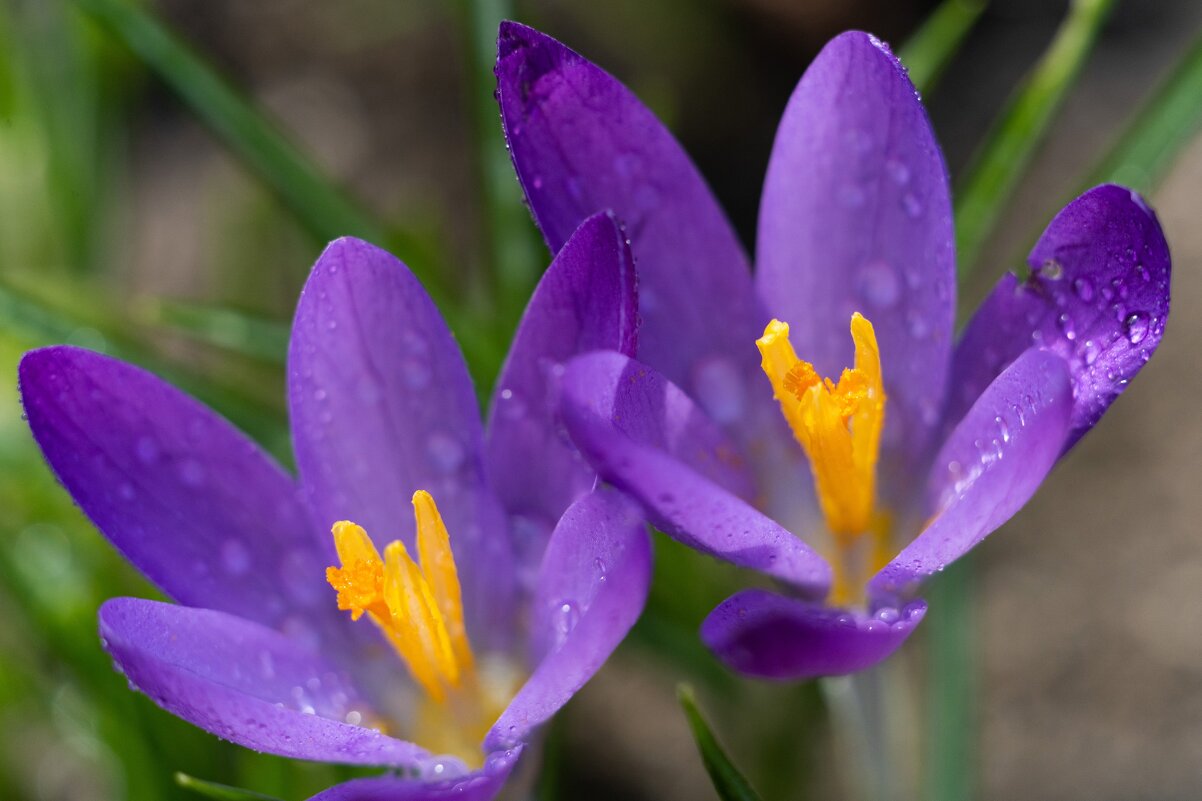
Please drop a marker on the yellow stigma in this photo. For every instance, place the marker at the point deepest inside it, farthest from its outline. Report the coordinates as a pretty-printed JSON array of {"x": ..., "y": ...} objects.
[
  {"x": 419, "y": 609},
  {"x": 839, "y": 427}
]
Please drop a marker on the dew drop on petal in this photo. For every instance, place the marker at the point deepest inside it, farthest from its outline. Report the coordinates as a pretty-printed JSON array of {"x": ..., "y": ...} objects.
[
  {"x": 445, "y": 451},
  {"x": 1083, "y": 288},
  {"x": 1135, "y": 327},
  {"x": 879, "y": 284},
  {"x": 235, "y": 558},
  {"x": 147, "y": 450},
  {"x": 718, "y": 386},
  {"x": 191, "y": 473}
]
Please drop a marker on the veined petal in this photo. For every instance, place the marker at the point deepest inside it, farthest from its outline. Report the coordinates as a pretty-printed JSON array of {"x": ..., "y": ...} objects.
[
  {"x": 1098, "y": 296},
  {"x": 759, "y": 633},
  {"x": 382, "y": 406},
  {"x": 645, "y": 436},
  {"x": 591, "y": 590},
  {"x": 585, "y": 301},
  {"x": 246, "y": 683},
  {"x": 856, "y": 217},
  {"x": 989, "y": 467},
  {"x": 187, "y": 498},
  {"x": 582, "y": 142}
]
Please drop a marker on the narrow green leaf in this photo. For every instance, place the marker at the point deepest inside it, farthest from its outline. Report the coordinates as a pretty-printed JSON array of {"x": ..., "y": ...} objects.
[
  {"x": 931, "y": 48},
  {"x": 990, "y": 182},
  {"x": 952, "y": 722},
  {"x": 317, "y": 204},
  {"x": 245, "y": 334},
  {"x": 728, "y": 781},
  {"x": 1158, "y": 131},
  {"x": 221, "y": 792}
]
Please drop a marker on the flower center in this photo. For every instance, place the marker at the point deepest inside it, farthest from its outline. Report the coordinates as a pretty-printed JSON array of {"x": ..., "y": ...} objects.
[
  {"x": 419, "y": 609},
  {"x": 838, "y": 425}
]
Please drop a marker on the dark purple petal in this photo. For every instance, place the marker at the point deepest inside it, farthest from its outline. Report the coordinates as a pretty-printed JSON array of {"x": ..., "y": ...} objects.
[
  {"x": 382, "y": 406},
  {"x": 192, "y": 502},
  {"x": 759, "y": 633},
  {"x": 1098, "y": 296},
  {"x": 245, "y": 683},
  {"x": 581, "y": 143},
  {"x": 856, "y": 216},
  {"x": 645, "y": 436},
  {"x": 480, "y": 785},
  {"x": 586, "y": 301},
  {"x": 989, "y": 467},
  {"x": 591, "y": 590}
]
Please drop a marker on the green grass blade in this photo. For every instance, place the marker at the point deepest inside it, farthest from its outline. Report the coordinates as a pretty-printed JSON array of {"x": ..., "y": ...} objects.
[
  {"x": 728, "y": 780},
  {"x": 247, "y": 335},
  {"x": 221, "y": 792},
  {"x": 992, "y": 178},
  {"x": 311, "y": 197},
  {"x": 952, "y": 730},
  {"x": 931, "y": 48},
  {"x": 1158, "y": 131}
]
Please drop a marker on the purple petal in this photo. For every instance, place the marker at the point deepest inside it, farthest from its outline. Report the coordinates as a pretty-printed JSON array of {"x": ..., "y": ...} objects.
[
  {"x": 481, "y": 785},
  {"x": 591, "y": 590},
  {"x": 646, "y": 437},
  {"x": 759, "y": 633},
  {"x": 856, "y": 216},
  {"x": 989, "y": 467},
  {"x": 186, "y": 497},
  {"x": 245, "y": 683},
  {"x": 586, "y": 301},
  {"x": 382, "y": 406},
  {"x": 582, "y": 142},
  {"x": 1098, "y": 296}
]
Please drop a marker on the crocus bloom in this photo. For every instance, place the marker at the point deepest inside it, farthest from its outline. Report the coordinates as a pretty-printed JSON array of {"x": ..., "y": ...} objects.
[
  {"x": 383, "y": 415},
  {"x": 915, "y": 447}
]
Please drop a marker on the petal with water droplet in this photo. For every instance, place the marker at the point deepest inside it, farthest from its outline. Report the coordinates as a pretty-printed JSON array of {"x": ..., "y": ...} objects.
[
  {"x": 989, "y": 467},
  {"x": 854, "y": 117},
  {"x": 1098, "y": 296},
  {"x": 367, "y": 436}
]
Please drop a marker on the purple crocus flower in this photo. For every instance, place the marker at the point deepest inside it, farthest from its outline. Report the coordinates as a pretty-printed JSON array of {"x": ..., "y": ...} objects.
[
  {"x": 382, "y": 408},
  {"x": 923, "y": 446}
]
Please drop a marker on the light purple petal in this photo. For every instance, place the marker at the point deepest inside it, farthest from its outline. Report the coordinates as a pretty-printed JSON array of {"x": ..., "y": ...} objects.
[
  {"x": 582, "y": 142},
  {"x": 646, "y": 437},
  {"x": 1098, "y": 296},
  {"x": 382, "y": 406},
  {"x": 480, "y": 785},
  {"x": 759, "y": 633},
  {"x": 187, "y": 498},
  {"x": 856, "y": 216},
  {"x": 585, "y": 301},
  {"x": 591, "y": 590},
  {"x": 990, "y": 466},
  {"x": 245, "y": 683}
]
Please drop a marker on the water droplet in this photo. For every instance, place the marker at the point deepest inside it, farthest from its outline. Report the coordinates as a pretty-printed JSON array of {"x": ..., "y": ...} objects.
[
  {"x": 1065, "y": 323},
  {"x": 912, "y": 205},
  {"x": 888, "y": 615},
  {"x": 1090, "y": 352},
  {"x": 354, "y": 717},
  {"x": 566, "y": 616},
  {"x": 1083, "y": 288},
  {"x": 510, "y": 406},
  {"x": 445, "y": 452},
  {"x": 1135, "y": 327},
  {"x": 191, "y": 472},
  {"x": 126, "y": 490},
  {"x": 917, "y": 324},
  {"x": 147, "y": 450},
  {"x": 538, "y": 182},
  {"x": 1052, "y": 270},
  {"x": 898, "y": 171},
  {"x": 1003, "y": 428},
  {"x": 718, "y": 386},
  {"x": 415, "y": 372},
  {"x": 319, "y": 395},
  {"x": 879, "y": 284},
  {"x": 235, "y": 557}
]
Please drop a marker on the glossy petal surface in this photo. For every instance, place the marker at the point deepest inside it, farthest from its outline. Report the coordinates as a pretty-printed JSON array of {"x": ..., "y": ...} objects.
[
  {"x": 586, "y": 301},
  {"x": 759, "y": 633},
  {"x": 245, "y": 683},
  {"x": 990, "y": 466},
  {"x": 582, "y": 142},
  {"x": 381, "y": 406},
  {"x": 480, "y": 785},
  {"x": 1098, "y": 296},
  {"x": 591, "y": 590},
  {"x": 187, "y": 498},
  {"x": 645, "y": 436},
  {"x": 856, "y": 216}
]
